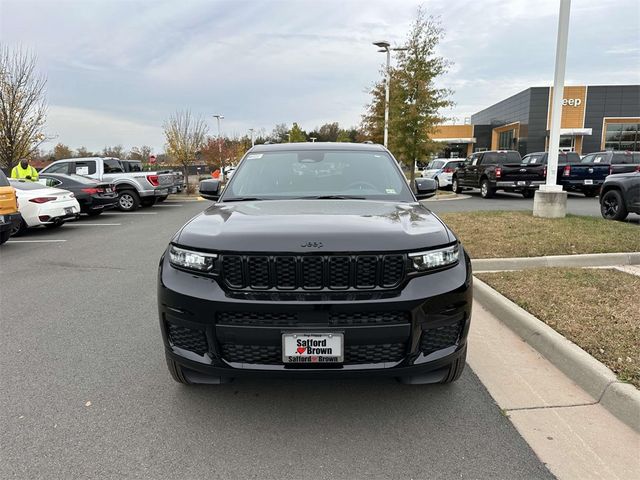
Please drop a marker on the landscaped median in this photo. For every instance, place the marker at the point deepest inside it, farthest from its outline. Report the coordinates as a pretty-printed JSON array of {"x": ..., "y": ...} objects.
[
  {"x": 500, "y": 234},
  {"x": 597, "y": 309}
]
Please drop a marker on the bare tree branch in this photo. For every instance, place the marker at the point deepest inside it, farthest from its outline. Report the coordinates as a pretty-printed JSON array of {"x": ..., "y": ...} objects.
[
  {"x": 23, "y": 108},
  {"x": 185, "y": 137}
]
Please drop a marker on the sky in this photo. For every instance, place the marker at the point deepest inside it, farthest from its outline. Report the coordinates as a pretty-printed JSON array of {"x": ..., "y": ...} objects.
[{"x": 116, "y": 69}]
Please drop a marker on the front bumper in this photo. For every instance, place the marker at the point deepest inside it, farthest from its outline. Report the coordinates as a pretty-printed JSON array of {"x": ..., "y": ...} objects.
[{"x": 420, "y": 328}]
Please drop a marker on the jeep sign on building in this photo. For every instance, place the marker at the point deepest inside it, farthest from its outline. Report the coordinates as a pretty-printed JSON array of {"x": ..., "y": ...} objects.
[{"x": 594, "y": 118}]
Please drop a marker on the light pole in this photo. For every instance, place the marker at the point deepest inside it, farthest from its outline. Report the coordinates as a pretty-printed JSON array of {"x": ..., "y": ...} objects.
[
  {"x": 550, "y": 201},
  {"x": 220, "y": 117},
  {"x": 386, "y": 47},
  {"x": 313, "y": 139},
  {"x": 251, "y": 132}
]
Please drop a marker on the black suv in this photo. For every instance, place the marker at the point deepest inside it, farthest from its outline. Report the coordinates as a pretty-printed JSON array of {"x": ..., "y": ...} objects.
[
  {"x": 620, "y": 195},
  {"x": 317, "y": 259}
]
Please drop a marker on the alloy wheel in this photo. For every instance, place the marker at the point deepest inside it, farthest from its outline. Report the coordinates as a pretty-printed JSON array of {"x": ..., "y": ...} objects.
[
  {"x": 611, "y": 206},
  {"x": 126, "y": 201}
]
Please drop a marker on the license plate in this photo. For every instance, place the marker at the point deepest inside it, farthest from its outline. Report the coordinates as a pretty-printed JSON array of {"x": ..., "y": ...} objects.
[
  {"x": 68, "y": 210},
  {"x": 522, "y": 183},
  {"x": 312, "y": 347},
  {"x": 588, "y": 182}
]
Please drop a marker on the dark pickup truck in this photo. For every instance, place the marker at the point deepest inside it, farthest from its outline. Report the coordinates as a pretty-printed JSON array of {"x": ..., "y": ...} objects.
[
  {"x": 497, "y": 170},
  {"x": 588, "y": 176},
  {"x": 572, "y": 174}
]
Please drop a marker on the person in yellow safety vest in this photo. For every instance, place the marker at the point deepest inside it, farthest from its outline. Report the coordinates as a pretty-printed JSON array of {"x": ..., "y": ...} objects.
[{"x": 24, "y": 170}]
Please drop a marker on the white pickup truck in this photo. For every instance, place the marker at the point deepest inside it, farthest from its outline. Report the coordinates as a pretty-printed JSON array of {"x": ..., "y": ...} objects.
[{"x": 134, "y": 189}]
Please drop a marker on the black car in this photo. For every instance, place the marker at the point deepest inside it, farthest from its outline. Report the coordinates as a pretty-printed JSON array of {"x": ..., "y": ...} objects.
[
  {"x": 620, "y": 195},
  {"x": 93, "y": 196},
  {"x": 316, "y": 260}
]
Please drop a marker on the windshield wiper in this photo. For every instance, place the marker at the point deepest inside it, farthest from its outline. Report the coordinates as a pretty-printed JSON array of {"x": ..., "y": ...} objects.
[
  {"x": 332, "y": 197},
  {"x": 242, "y": 199}
]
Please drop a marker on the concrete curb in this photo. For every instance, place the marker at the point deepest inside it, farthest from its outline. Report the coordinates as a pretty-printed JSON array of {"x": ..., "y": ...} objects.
[
  {"x": 621, "y": 399},
  {"x": 586, "y": 260}
]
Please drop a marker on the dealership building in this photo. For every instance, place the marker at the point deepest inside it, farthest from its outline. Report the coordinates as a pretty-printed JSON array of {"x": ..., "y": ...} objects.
[{"x": 594, "y": 118}]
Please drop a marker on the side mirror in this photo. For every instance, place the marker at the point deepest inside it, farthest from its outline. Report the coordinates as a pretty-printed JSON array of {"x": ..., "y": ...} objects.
[
  {"x": 210, "y": 189},
  {"x": 425, "y": 188}
]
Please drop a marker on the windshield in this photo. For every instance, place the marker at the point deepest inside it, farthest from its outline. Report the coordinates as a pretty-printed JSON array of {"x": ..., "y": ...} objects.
[
  {"x": 436, "y": 164},
  {"x": 290, "y": 174}
]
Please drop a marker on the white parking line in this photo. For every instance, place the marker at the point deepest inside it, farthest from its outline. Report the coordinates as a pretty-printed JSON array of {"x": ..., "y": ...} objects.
[
  {"x": 35, "y": 241},
  {"x": 163, "y": 205},
  {"x": 83, "y": 224},
  {"x": 130, "y": 213}
]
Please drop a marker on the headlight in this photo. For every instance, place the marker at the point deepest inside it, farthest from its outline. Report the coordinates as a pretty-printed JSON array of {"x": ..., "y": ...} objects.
[
  {"x": 431, "y": 259},
  {"x": 200, "y": 261}
]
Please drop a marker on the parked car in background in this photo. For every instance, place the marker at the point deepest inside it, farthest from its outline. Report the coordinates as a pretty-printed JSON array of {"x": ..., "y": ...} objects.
[
  {"x": 441, "y": 170},
  {"x": 93, "y": 196},
  {"x": 620, "y": 195},
  {"x": 134, "y": 188},
  {"x": 40, "y": 205},
  {"x": 618, "y": 162},
  {"x": 9, "y": 217},
  {"x": 490, "y": 171},
  {"x": 570, "y": 174},
  {"x": 316, "y": 260}
]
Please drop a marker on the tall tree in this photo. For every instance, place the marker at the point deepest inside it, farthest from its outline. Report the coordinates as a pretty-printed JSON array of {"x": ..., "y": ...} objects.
[
  {"x": 117, "y": 151},
  {"x": 140, "y": 153},
  {"x": 415, "y": 105},
  {"x": 83, "y": 152},
  {"x": 279, "y": 133},
  {"x": 22, "y": 106},
  {"x": 297, "y": 134},
  {"x": 329, "y": 132},
  {"x": 61, "y": 151},
  {"x": 185, "y": 136}
]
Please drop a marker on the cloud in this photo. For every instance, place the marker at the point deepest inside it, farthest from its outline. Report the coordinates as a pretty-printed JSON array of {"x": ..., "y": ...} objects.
[{"x": 122, "y": 67}]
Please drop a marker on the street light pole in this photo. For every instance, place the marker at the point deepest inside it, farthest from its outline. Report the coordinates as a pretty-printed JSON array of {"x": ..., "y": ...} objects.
[
  {"x": 386, "y": 47},
  {"x": 220, "y": 117},
  {"x": 550, "y": 201},
  {"x": 558, "y": 93}
]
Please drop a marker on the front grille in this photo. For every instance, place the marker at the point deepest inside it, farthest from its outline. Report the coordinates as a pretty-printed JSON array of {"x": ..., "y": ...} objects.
[
  {"x": 442, "y": 337},
  {"x": 188, "y": 339},
  {"x": 368, "y": 318},
  {"x": 353, "y": 354},
  {"x": 265, "y": 319},
  {"x": 334, "y": 319},
  {"x": 388, "y": 352},
  {"x": 312, "y": 272}
]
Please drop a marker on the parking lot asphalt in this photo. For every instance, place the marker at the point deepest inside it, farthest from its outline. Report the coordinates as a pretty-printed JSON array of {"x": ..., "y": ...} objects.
[{"x": 86, "y": 393}]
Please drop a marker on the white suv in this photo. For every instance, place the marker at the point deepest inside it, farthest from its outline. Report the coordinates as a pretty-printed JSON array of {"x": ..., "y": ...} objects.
[{"x": 441, "y": 170}]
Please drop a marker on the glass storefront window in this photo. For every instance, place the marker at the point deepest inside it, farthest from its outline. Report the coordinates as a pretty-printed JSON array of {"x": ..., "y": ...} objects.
[
  {"x": 505, "y": 142},
  {"x": 622, "y": 136}
]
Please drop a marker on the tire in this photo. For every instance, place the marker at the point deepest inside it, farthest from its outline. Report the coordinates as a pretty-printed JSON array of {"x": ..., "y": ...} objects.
[
  {"x": 437, "y": 183},
  {"x": 22, "y": 228},
  {"x": 148, "y": 202},
  {"x": 528, "y": 193},
  {"x": 53, "y": 226},
  {"x": 456, "y": 368},
  {"x": 176, "y": 372},
  {"x": 590, "y": 193},
  {"x": 4, "y": 236},
  {"x": 486, "y": 191},
  {"x": 161, "y": 199},
  {"x": 612, "y": 206},
  {"x": 455, "y": 186},
  {"x": 94, "y": 213},
  {"x": 128, "y": 200}
]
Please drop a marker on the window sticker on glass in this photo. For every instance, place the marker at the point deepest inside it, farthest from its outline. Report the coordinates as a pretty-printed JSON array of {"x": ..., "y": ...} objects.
[
  {"x": 254, "y": 155},
  {"x": 391, "y": 191},
  {"x": 598, "y": 159},
  {"x": 82, "y": 170}
]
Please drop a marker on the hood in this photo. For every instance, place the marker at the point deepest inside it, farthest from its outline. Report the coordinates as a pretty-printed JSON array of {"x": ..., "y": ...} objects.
[{"x": 305, "y": 226}]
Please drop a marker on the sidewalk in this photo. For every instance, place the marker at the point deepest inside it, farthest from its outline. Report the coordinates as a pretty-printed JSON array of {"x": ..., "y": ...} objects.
[{"x": 573, "y": 434}]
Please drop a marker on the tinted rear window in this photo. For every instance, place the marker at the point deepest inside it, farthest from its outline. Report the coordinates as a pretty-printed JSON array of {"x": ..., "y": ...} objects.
[
  {"x": 135, "y": 166},
  {"x": 436, "y": 164},
  {"x": 626, "y": 158},
  {"x": 112, "y": 165},
  {"x": 570, "y": 157},
  {"x": 501, "y": 158}
]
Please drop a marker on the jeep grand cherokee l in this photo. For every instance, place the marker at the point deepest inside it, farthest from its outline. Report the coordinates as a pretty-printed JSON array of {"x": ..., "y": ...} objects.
[{"x": 316, "y": 259}]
